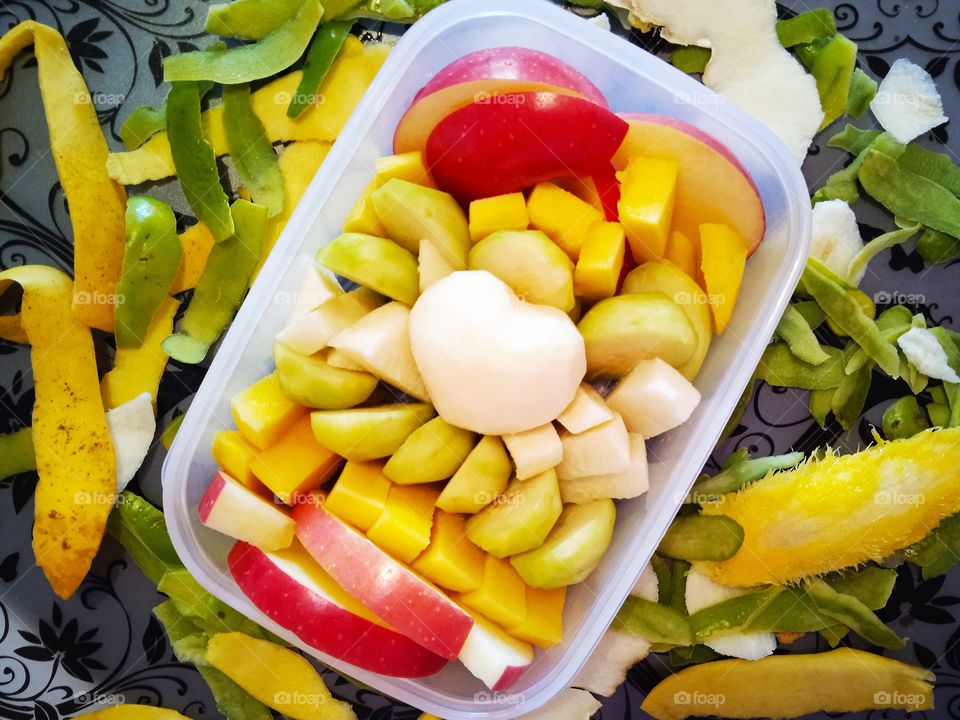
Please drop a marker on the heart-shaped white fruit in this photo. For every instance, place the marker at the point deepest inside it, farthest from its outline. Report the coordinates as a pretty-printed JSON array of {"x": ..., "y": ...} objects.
[{"x": 491, "y": 362}]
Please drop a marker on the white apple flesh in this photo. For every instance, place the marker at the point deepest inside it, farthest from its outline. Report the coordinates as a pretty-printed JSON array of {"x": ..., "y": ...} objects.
[
  {"x": 235, "y": 510},
  {"x": 492, "y": 363}
]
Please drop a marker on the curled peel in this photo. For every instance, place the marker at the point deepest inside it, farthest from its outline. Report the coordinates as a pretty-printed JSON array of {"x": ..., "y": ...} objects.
[
  {"x": 75, "y": 456},
  {"x": 80, "y": 152}
]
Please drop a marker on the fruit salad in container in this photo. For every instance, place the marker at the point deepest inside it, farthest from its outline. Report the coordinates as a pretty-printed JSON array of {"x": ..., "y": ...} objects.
[{"x": 474, "y": 368}]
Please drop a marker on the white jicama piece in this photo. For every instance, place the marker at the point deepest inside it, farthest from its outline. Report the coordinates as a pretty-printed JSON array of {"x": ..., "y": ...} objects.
[
  {"x": 534, "y": 451},
  {"x": 610, "y": 662},
  {"x": 907, "y": 103},
  {"x": 343, "y": 360},
  {"x": 647, "y": 585},
  {"x": 492, "y": 363},
  {"x": 925, "y": 353},
  {"x": 132, "y": 428},
  {"x": 758, "y": 75},
  {"x": 570, "y": 704},
  {"x": 380, "y": 342},
  {"x": 630, "y": 483},
  {"x": 653, "y": 398},
  {"x": 702, "y": 592},
  {"x": 602, "y": 450},
  {"x": 310, "y": 332},
  {"x": 586, "y": 411},
  {"x": 318, "y": 286},
  {"x": 835, "y": 237}
]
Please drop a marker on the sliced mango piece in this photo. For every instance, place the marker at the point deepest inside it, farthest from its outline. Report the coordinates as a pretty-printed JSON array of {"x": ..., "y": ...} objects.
[
  {"x": 434, "y": 451},
  {"x": 723, "y": 256},
  {"x": 543, "y": 625},
  {"x": 501, "y": 596},
  {"x": 233, "y": 453},
  {"x": 500, "y": 212},
  {"x": 262, "y": 412},
  {"x": 451, "y": 560},
  {"x": 840, "y": 681},
  {"x": 295, "y": 463},
  {"x": 360, "y": 494},
  {"x": 276, "y": 676},
  {"x": 600, "y": 262},
  {"x": 683, "y": 252},
  {"x": 408, "y": 166},
  {"x": 403, "y": 528},
  {"x": 648, "y": 192},
  {"x": 480, "y": 479},
  {"x": 563, "y": 216}
]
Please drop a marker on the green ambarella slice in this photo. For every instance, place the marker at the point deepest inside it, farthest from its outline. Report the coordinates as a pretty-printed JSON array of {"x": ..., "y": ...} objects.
[{"x": 251, "y": 152}]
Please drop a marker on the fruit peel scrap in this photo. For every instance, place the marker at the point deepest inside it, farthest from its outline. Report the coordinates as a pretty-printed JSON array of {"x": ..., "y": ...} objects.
[
  {"x": 907, "y": 103},
  {"x": 79, "y": 151},
  {"x": 760, "y": 77},
  {"x": 75, "y": 456}
]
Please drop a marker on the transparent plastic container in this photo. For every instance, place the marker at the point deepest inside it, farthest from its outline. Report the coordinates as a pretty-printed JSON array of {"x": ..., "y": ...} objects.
[{"x": 633, "y": 81}]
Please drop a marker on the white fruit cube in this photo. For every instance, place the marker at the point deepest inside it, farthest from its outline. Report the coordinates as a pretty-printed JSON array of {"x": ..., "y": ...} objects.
[
  {"x": 534, "y": 451},
  {"x": 653, "y": 398},
  {"x": 601, "y": 450},
  {"x": 310, "y": 332},
  {"x": 630, "y": 483},
  {"x": 586, "y": 411}
]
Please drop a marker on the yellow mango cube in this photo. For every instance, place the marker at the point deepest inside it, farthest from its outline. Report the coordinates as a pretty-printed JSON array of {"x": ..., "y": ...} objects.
[
  {"x": 683, "y": 252},
  {"x": 233, "y": 453},
  {"x": 451, "y": 560},
  {"x": 295, "y": 463},
  {"x": 563, "y": 216},
  {"x": 543, "y": 625},
  {"x": 501, "y": 212},
  {"x": 648, "y": 193},
  {"x": 723, "y": 256},
  {"x": 403, "y": 528},
  {"x": 360, "y": 494},
  {"x": 601, "y": 259},
  {"x": 501, "y": 596},
  {"x": 262, "y": 412},
  {"x": 407, "y": 166},
  {"x": 362, "y": 218}
]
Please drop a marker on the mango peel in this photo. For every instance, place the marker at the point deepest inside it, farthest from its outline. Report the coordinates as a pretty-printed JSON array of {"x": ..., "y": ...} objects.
[{"x": 75, "y": 456}]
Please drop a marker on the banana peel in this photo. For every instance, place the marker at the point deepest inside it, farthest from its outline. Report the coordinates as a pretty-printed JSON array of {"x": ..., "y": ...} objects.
[
  {"x": 74, "y": 453},
  {"x": 841, "y": 510},
  {"x": 779, "y": 686},
  {"x": 340, "y": 92},
  {"x": 97, "y": 203}
]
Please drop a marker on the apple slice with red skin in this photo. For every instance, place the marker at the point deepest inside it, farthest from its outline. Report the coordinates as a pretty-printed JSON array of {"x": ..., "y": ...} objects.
[
  {"x": 513, "y": 63},
  {"x": 391, "y": 590},
  {"x": 295, "y": 592},
  {"x": 522, "y": 139},
  {"x": 713, "y": 186},
  {"x": 410, "y": 603}
]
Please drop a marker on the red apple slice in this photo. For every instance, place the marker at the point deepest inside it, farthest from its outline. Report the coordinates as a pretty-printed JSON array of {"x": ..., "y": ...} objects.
[
  {"x": 294, "y": 591},
  {"x": 483, "y": 150},
  {"x": 712, "y": 187},
  {"x": 513, "y": 63},
  {"x": 424, "y": 114},
  {"x": 390, "y": 589},
  {"x": 495, "y": 657},
  {"x": 235, "y": 510}
]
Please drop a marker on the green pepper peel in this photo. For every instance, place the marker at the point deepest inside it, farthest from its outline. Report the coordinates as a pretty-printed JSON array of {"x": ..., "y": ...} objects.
[
  {"x": 196, "y": 161},
  {"x": 852, "y": 613},
  {"x": 250, "y": 150},
  {"x": 903, "y": 418},
  {"x": 712, "y": 538},
  {"x": 806, "y": 27},
  {"x": 321, "y": 54},
  {"x": 221, "y": 287},
  {"x": 794, "y": 330},
  {"x": 249, "y": 19},
  {"x": 781, "y": 368},
  {"x": 863, "y": 89},
  {"x": 731, "y": 615},
  {"x": 653, "y": 621},
  {"x": 246, "y": 63}
]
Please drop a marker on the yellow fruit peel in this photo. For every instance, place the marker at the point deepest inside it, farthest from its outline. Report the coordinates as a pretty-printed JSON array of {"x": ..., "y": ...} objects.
[
  {"x": 133, "y": 712},
  {"x": 276, "y": 676},
  {"x": 97, "y": 203},
  {"x": 75, "y": 457},
  {"x": 844, "y": 680},
  {"x": 840, "y": 511},
  {"x": 340, "y": 92}
]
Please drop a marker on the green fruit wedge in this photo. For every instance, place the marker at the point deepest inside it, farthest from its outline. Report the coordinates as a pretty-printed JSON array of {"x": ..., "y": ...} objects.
[
  {"x": 368, "y": 433},
  {"x": 520, "y": 519},
  {"x": 432, "y": 452},
  {"x": 534, "y": 267},
  {"x": 310, "y": 380},
  {"x": 412, "y": 213},
  {"x": 375, "y": 263},
  {"x": 481, "y": 477},
  {"x": 665, "y": 277},
  {"x": 573, "y": 548},
  {"x": 620, "y": 331}
]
